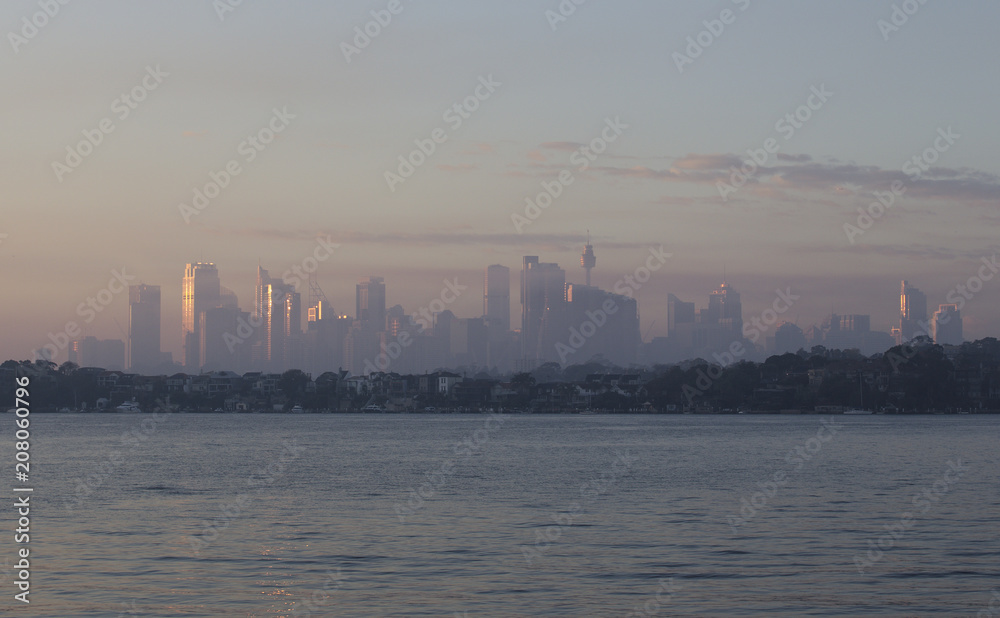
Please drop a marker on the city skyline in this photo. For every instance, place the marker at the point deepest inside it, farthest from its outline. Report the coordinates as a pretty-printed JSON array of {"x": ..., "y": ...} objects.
[
  {"x": 296, "y": 142},
  {"x": 274, "y": 332}
]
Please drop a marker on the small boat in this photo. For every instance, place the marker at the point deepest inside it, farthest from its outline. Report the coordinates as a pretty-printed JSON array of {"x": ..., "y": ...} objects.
[
  {"x": 128, "y": 407},
  {"x": 297, "y": 409}
]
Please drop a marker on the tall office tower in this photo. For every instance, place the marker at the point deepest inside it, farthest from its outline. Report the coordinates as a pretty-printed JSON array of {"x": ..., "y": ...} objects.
[
  {"x": 371, "y": 302},
  {"x": 543, "y": 298},
  {"x": 143, "y": 327},
  {"x": 320, "y": 310},
  {"x": 912, "y": 313},
  {"x": 496, "y": 301},
  {"x": 601, "y": 323},
  {"x": 261, "y": 298},
  {"x": 396, "y": 320},
  {"x": 218, "y": 352},
  {"x": 291, "y": 321},
  {"x": 201, "y": 290},
  {"x": 947, "y": 325},
  {"x": 468, "y": 342},
  {"x": 588, "y": 260},
  {"x": 846, "y": 332},
  {"x": 262, "y": 318},
  {"x": 678, "y": 312},
  {"x": 278, "y": 310},
  {"x": 855, "y": 323},
  {"x": 724, "y": 304}
]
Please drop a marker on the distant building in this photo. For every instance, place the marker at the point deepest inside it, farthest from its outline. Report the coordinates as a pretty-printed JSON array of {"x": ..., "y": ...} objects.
[
  {"x": 278, "y": 311},
  {"x": 468, "y": 342},
  {"x": 599, "y": 323},
  {"x": 588, "y": 260},
  {"x": 144, "y": 352},
  {"x": 678, "y": 312},
  {"x": 849, "y": 332},
  {"x": 200, "y": 290},
  {"x": 946, "y": 325},
  {"x": 912, "y": 313},
  {"x": 496, "y": 301},
  {"x": 218, "y": 353},
  {"x": 92, "y": 352},
  {"x": 371, "y": 302},
  {"x": 542, "y": 309},
  {"x": 324, "y": 338},
  {"x": 706, "y": 332},
  {"x": 788, "y": 338}
]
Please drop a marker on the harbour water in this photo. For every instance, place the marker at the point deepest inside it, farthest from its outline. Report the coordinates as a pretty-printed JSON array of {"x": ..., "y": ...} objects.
[{"x": 517, "y": 515}]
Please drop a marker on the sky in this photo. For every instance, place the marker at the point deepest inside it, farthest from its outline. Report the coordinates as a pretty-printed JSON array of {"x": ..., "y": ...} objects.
[{"x": 868, "y": 86}]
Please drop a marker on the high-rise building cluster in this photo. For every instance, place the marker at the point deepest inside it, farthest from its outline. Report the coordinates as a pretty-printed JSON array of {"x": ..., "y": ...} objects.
[{"x": 566, "y": 323}]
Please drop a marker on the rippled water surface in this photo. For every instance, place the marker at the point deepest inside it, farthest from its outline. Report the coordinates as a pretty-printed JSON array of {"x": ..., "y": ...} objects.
[{"x": 414, "y": 515}]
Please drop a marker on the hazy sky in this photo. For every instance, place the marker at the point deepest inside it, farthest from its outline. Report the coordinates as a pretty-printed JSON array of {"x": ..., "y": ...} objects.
[{"x": 218, "y": 80}]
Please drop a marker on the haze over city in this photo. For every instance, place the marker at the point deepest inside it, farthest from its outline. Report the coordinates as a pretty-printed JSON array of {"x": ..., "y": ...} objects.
[
  {"x": 396, "y": 307},
  {"x": 837, "y": 104}
]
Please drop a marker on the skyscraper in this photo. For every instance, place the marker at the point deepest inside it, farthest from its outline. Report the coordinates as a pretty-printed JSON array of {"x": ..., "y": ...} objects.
[
  {"x": 143, "y": 327},
  {"x": 600, "y": 323},
  {"x": 371, "y": 302},
  {"x": 724, "y": 308},
  {"x": 278, "y": 310},
  {"x": 201, "y": 290},
  {"x": 588, "y": 260},
  {"x": 946, "y": 325},
  {"x": 912, "y": 313},
  {"x": 216, "y": 354},
  {"x": 543, "y": 294},
  {"x": 496, "y": 300}
]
